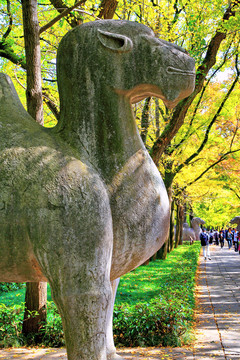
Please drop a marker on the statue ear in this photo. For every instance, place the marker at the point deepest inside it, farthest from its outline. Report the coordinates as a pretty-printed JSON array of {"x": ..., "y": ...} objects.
[{"x": 115, "y": 42}]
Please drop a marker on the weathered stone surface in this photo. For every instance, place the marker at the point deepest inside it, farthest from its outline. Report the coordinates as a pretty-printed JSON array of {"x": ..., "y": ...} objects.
[
  {"x": 83, "y": 203},
  {"x": 192, "y": 233},
  {"x": 236, "y": 220}
]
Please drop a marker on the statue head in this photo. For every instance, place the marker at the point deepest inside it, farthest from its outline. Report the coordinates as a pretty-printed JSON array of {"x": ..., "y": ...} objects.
[
  {"x": 124, "y": 57},
  {"x": 197, "y": 221},
  {"x": 235, "y": 220}
]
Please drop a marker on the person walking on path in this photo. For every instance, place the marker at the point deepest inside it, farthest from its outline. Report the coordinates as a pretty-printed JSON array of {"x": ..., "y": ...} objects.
[
  {"x": 238, "y": 241},
  {"x": 235, "y": 240},
  {"x": 221, "y": 238},
  {"x": 229, "y": 238},
  {"x": 210, "y": 237},
  {"x": 205, "y": 244},
  {"x": 216, "y": 237}
]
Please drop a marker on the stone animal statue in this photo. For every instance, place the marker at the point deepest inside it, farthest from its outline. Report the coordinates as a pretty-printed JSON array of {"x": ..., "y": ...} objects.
[
  {"x": 188, "y": 233},
  {"x": 196, "y": 221},
  {"x": 83, "y": 203},
  {"x": 192, "y": 233},
  {"x": 236, "y": 220}
]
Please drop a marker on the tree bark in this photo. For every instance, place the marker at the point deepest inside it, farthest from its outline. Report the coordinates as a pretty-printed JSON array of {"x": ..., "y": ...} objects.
[
  {"x": 35, "y": 314},
  {"x": 107, "y": 9},
  {"x": 162, "y": 253},
  {"x": 145, "y": 120},
  {"x": 171, "y": 230},
  {"x": 157, "y": 117},
  {"x": 190, "y": 212},
  {"x": 179, "y": 224},
  {"x": 33, "y": 60},
  {"x": 36, "y": 293}
]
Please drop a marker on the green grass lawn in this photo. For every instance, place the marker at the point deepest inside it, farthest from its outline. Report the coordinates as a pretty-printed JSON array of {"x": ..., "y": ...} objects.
[{"x": 174, "y": 276}]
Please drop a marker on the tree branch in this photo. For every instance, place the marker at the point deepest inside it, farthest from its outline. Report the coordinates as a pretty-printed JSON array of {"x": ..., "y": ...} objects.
[
  {"x": 8, "y": 53},
  {"x": 6, "y": 50},
  {"x": 210, "y": 58},
  {"x": 181, "y": 109},
  {"x": 222, "y": 158},
  {"x": 9, "y": 29},
  {"x": 71, "y": 18},
  {"x": 60, "y": 16},
  {"x": 188, "y": 134},
  {"x": 51, "y": 104},
  {"x": 204, "y": 142},
  {"x": 234, "y": 191}
]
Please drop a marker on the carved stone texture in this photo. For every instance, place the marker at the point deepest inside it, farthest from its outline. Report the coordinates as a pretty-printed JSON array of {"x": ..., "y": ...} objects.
[
  {"x": 192, "y": 234},
  {"x": 83, "y": 203},
  {"x": 236, "y": 220},
  {"x": 196, "y": 221}
]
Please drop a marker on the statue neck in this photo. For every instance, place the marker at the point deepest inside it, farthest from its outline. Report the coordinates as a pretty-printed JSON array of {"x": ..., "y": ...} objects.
[
  {"x": 195, "y": 226},
  {"x": 102, "y": 130}
]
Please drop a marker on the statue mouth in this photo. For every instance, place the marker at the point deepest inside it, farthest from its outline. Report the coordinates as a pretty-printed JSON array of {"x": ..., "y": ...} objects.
[{"x": 172, "y": 70}]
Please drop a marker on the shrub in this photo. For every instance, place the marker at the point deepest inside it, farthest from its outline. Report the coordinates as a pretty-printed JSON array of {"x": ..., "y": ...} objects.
[
  {"x": 160, "y": 323},
  {"x": 53, "y": 335},
  {"x": 6, "y": 287},
  {"x": 11, "y": 318},
  {"x": 11, "y": 325},
  {"x": 159, "y": 311}
]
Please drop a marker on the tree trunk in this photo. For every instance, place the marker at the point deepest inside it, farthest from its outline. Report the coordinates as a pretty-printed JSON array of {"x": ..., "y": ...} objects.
[
  {"x": 181, "y": 215},
  {"x": 36, "y": 293},
  {"x": 145, "y": 120},
  {"x": 107, "y": 9},
  {"x": 35, "y": 314},
  {"x": 179, "y": 225},
  {"x": 185, "y": 212},
  {"x": 157, "y": 117},
  {"x": 33, "y": 60},
  {"x": 190, "y": 212},
  {"x": 171, "y": 230},
  {"x": 146, "y": 262},
  {"x": 162, "y": 253}
]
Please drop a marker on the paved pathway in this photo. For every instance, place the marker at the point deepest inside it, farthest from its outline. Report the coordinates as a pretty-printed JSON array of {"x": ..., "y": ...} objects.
[
  {"x": 218, "y": 328},
  {"x": 218, "y": 319}
]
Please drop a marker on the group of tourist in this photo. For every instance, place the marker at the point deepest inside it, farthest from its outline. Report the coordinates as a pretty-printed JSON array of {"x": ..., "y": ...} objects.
[{"x": 232, "y": 236}]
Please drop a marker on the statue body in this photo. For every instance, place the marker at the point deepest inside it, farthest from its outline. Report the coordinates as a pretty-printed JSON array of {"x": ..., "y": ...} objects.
[
  {"x": 192, "y": 233},
  {"x": 188, "y": 233},
  {"x": 83, "y": 203},
  {"x": 236, "y": 220}
]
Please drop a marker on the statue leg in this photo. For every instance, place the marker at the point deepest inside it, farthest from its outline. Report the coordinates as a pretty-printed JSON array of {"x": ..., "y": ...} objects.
[
  {"x": 111, "y": 350},
  {"x": 75, "y": 253},
  {"x": 83, "y": 313}
]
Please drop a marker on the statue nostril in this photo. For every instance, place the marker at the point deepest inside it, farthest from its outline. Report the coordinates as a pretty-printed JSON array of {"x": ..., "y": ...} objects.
[
  {"x": 173, "y": 70},
  {"x": 170, "y": 70}
]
